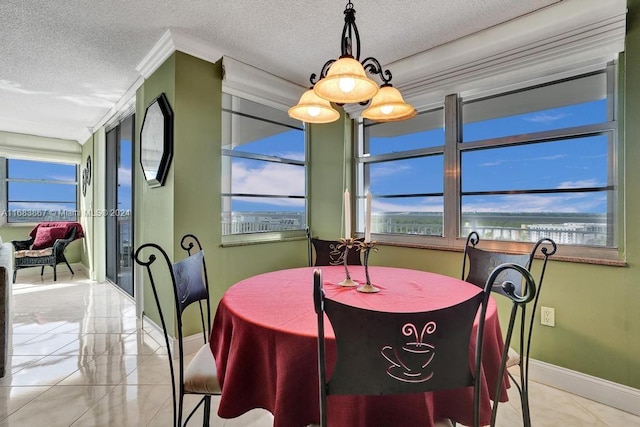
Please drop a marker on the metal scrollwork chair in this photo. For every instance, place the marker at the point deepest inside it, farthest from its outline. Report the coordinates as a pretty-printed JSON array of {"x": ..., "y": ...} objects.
[
  {"x": 382, "y": 353},
  {"x": 481, "y": 264},
  {"x": 189, "y": 282},
  {"x": 330, "y": 252}
]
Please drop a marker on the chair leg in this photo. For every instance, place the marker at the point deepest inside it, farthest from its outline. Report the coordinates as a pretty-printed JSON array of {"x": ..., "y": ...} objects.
[
  {"x": 523, "y": 392},
  {"x": 526, "y": 415},
  {"x": 67, "y": 262},
  {"x": 207, "y": 411},
  {"x": 15, "y": 274},
  {"x": 55, "y": 277},
  {"x": 42, "y": 270}
]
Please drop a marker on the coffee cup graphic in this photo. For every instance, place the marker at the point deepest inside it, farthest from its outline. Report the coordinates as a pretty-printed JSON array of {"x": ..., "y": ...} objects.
[{"x": 410, "y": 361}]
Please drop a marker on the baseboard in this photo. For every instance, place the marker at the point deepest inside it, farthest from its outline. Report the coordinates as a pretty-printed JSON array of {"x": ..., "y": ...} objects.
[
  {"x": 607, "y": 392},
  {"x": 81, "y": 267},
  {"x": 191, "y": 344}
]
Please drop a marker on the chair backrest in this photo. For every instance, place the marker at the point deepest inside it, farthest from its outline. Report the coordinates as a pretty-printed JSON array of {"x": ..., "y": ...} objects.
[
  {"x": 189, "y": 281},
  {"x": 330, "y": 252},
  {"x": 192, "y": 283},
  {"x": 380, "y": 353},
  {"x": 483, "y": 264}
]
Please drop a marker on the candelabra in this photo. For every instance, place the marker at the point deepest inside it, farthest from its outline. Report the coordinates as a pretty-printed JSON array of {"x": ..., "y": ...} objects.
[
  {"x": 368, "y": 288},
  {"x": 347, "y": 244}
]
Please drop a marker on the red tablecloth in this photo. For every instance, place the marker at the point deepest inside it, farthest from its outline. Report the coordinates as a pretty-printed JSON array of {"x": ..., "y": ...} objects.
[{"x": 264, "y": 340}]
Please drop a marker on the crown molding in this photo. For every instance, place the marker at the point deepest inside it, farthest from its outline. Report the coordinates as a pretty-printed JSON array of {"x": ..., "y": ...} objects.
[
  {"x": 566, "y": 36},
  {"x": 171, "y": 41},
  {"x": 238, "y": 78},
  {"x": 121, "y": 107},
  {"x": 251, "y": 83}
]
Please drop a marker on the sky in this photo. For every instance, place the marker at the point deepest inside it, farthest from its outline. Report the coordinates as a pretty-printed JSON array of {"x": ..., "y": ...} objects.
[
  {"x": 573, "y": 163},
  {"x": 41, "y": 196}
]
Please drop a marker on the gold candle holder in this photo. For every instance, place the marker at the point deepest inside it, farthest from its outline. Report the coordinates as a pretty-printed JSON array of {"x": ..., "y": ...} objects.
[
  {"x": 347, "y": 244},
  {"x": 367, "y": 288}
]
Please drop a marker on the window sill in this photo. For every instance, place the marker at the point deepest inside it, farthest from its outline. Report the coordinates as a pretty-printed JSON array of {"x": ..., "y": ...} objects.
[
  {"x": 261, "y": 238},
  {"x": 19, "y": 224},
  {"x": 606, "y": 260}
]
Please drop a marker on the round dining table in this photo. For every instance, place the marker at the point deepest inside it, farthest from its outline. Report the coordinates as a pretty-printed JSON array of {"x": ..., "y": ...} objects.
[{"x": 264, "y": 340}]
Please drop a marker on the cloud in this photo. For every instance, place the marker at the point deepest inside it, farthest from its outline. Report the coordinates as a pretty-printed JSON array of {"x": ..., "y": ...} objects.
[
  {"x": 63, "y": 178},
  {"x": 423, "y": 204},
  {"x": 562, "y": 203},
  {"x": 554, "y": 157},
  {"x": 294, "y": 155},
  {"x": 384, "y": 171},
  {"x": 526, "y": 160},
  {"x": 580, "y": 183},
  {"x": 35, "y": 206},
  {"x": 545, "y": 117},
  {"x": 124, "y": 175},
  {"x": 495, "y": 163},
  {"x": 269, "y": 179},
  {"x": 557, "y": 203}
]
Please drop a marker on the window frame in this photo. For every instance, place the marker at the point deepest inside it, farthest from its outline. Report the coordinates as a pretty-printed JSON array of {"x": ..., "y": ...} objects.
[
  {"x": 226, "y": 158},
  {"x": 454, "y": 147},
  {"x": 4, "y": 199}
]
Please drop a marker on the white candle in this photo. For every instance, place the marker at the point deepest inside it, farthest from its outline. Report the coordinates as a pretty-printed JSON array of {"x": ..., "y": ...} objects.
[
  {"x": 347, "y": 214},
  {"x": 367, "y": 221}
]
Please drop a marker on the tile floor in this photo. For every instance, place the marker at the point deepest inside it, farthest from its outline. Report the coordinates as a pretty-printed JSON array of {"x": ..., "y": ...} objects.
[{"x": 80, "y": 358}]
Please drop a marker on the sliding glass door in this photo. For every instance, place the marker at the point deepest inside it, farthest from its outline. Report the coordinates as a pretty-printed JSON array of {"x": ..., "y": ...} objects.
[{"x": 119, "y": 204}]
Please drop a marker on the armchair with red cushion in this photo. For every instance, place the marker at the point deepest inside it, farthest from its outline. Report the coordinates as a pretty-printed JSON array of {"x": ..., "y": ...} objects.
[{"x": 45, "y": 246}]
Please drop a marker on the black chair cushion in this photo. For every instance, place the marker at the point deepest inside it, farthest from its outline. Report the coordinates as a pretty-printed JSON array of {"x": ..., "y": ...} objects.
[{"x": 482, "y": 263}]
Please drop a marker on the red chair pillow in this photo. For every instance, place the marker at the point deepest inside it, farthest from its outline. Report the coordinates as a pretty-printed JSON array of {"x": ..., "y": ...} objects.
[{"x": 46, "y": 237}]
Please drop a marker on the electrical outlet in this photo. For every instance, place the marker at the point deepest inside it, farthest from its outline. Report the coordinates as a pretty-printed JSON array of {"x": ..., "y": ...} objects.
[{"x": 548, "y": 316}]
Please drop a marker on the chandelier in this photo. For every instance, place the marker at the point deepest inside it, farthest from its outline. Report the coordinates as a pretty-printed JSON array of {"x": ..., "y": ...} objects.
[{"x": 345, "y": 81}]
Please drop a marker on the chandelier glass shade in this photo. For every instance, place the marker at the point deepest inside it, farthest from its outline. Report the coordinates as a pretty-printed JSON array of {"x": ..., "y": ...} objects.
[
  {"x": 345, "y": 81},
  {"x": 313, "y": 109},
  {"x": 388, "y": 106}
]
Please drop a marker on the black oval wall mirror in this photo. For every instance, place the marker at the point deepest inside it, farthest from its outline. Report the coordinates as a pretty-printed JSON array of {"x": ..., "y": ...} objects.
[{"x": 156, "y": 141}]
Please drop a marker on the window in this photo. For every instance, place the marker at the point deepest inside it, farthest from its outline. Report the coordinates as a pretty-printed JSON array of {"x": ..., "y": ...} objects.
[
  {"x": 404, "y": 164},
  {"x": 40, "y": 191},
  {"x": 264, "y": 169},
  {"x": 516, "y": 166}
]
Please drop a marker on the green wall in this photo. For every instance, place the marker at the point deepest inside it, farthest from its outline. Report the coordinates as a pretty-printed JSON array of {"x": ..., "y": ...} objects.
[
  {"x": 190, "y": 200},
  {"x": 596, "y": 305},
  {"x": 153, "y": 207},
  {"x": 86, "y": 205},
  {"x": 330, "y": 170}
]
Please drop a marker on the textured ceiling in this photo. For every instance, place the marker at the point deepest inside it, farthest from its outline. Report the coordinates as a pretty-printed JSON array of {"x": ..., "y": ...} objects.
[{"x": 64, "y": 64}]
